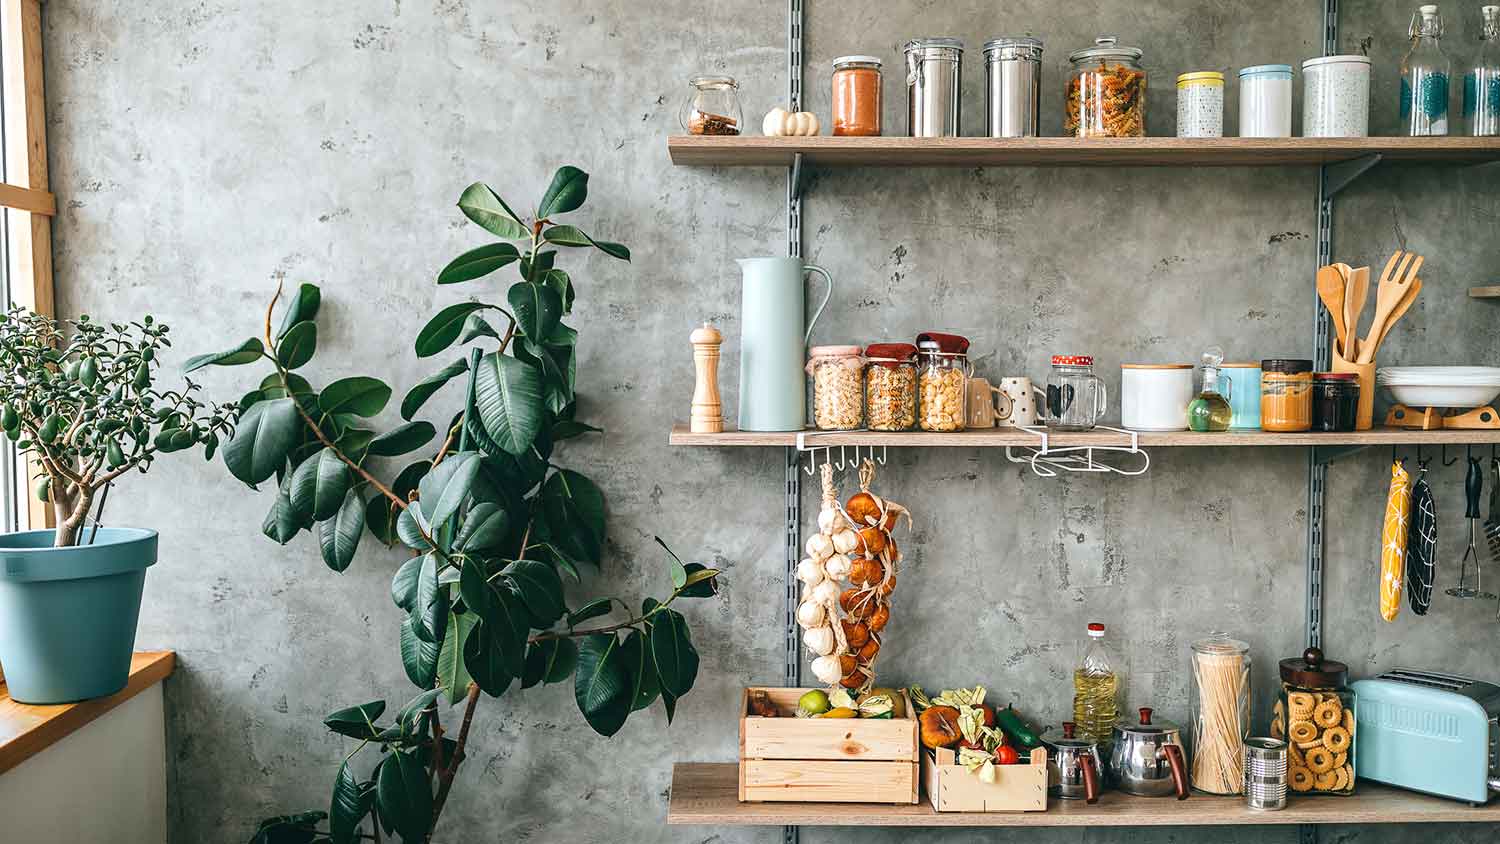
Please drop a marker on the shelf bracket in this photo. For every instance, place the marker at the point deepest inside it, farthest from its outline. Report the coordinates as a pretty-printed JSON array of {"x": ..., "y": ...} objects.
[
  {"x": 1307, "y": 834},
  {"x": 1325, "y": 454},
  {"x": 1342, "y": 174},
  {"x": 797, "y": 177}
]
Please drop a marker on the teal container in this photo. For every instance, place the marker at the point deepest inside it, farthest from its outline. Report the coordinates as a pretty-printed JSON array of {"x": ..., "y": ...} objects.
[
  {"x": 773, "y": 342},
  {"x": 1243, "y": 394},
  {"x": 68, "y": 615}
]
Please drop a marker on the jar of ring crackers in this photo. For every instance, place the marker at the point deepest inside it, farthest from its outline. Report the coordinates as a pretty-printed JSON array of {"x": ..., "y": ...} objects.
[
  {"x": 943, "y": 382},
  {"x": 1315, "y": 714}
]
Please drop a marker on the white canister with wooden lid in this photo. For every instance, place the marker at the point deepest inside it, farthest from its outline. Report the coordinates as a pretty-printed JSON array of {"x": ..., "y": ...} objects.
[{"x": 1155, "y": 396}]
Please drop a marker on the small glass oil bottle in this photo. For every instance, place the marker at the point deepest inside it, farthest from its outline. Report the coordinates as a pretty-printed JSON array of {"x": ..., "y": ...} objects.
[{"x": 1210, "y": 410}]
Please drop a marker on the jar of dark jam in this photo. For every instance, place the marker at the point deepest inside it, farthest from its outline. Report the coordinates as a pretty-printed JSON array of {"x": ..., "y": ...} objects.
[{"x": 1335, "y": 401}]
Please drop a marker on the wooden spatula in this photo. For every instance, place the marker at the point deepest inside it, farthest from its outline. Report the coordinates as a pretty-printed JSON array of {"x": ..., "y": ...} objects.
[
  {"x": 1401, "y": 308},
  {"x": 1355, "y": 293},
  {"x": 1392, "y": 289},
  {"x": 1331, "y": 291}
]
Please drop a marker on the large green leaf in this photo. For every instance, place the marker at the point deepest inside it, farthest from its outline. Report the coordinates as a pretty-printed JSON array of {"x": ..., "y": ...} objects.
[
  {"x": 404, "y": 583},
  {"x": 452, "y": 674},
  {"x": 569, "y": 188},
  {"x": 403, "y": 439},
  {"x": 475, "y": 326},
  {"x": 640, "y": 669},
  {"x": 409, "y": 530},
  {"x": 424, "y": 389},
  {"x": 301, "y": 828},
  {"x": 419, "y": 658},
  {"x": 672, "y": 649},
  {"x": 600, "y": 686},
  {"x": 550, "y": 660},
  {"x": 537, "y": 308},
  {"x": 574, "y": 510},
  {"x": 266, "y": 434},
  {"x": 249, "y": 351},
  {"x": 359, "y": 395},
  {"x": 508, "y": 396},
  {"x": 348, "y": 807},
  {"x": 541, "y": 589},
  {"x": 414, "y": 716},
  {"x": 356, "y": 721},
  {"x": 338, "y": 537},
  {"x": 430, "y": 611},
  {"x": 477, "y": 263},
  {"x": 485, "y": 207},
  {"x": 282, "y": 521},
  {"x": 572, "y": 236},
  {"x": 486, "y": 662},
  {"x": 568, "y": 429},
  {"x": 404, "y": 796},
  {"x": 485, "y": 528},
  {"x": 510, "y": 627},
  {"x": 559, "y": 282},
  {"x": 381, "y": 513},
  {"x": 301, "y": 307},
  {"x": 297, "y": 347},
  {"x": 447, "y": 486},
  {"x": 320, "y": 485},
  {"x": 440, "y": 331},
  {"x": 593, "y": 609}
]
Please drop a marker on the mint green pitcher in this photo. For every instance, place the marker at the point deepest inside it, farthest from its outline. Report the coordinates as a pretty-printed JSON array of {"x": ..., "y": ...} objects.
[{"x": 773, "y": 342}]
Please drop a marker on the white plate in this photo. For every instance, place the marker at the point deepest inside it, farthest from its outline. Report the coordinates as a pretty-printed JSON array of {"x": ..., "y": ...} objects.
[
  {"x": 1428, "y": 395},
  {"x": 1439, "y": 374}
]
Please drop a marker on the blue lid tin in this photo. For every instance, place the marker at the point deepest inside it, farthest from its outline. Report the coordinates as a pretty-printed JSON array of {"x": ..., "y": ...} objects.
[{"x": 1274, "y": 70}]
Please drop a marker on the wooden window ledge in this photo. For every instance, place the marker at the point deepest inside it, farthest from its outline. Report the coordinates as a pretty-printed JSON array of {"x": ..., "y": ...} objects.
[{"x": 28, "y": 730}]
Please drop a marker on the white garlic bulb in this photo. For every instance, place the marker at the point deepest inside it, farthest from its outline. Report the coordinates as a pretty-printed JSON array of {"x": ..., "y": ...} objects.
[
  {"x": 819, "y": 547},
  {"x": 845, "y": 541},
  {"x": 826, "y": 592},
  {"x": 810, "y": 572},
  {"x": 837, "y": 567},
  {"x": 807, "y": 592},
  {"x": 810, "y": 614},
  {"x": 831, "y": 521},
  {"x": 819, "y": 640},
  {"x": 827, "y": 669}
]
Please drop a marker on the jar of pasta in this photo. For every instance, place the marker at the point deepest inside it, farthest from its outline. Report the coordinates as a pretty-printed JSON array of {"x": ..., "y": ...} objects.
[
  {"x": 891, "y": 387},
  {"x": 837, "y": 373},
  {"x": 1106, "y": 92},
  {"x": 1286, "y": 390},
  {"x": 1315, "y": 715},
  {"x": 856, "y": 95},
  {"x": 943, "y": 382}
]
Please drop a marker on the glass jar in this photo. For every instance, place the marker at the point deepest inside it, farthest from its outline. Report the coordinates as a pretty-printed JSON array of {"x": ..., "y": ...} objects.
[
  {"x": 1106, "y": 92},
  {"x": 1335, "y": 400},
  {"x": 1076, "y": 397},
  {"x": 943, "y": 382},
  {"x": 837, "y": 373},
  {"x": 1286, "y": 395},
  {"x": 856, "y": 95},
  {"x": 1314, "y": 713},
  {"x": 891, "y": 387},
  {"x": 712, "y": 107},
  {"x": 1200, "y": 104},
  {"x": 1482, "y": 82},
  {"x": 1220, "y": 703},
  {"x": 1424, "y": 76}
]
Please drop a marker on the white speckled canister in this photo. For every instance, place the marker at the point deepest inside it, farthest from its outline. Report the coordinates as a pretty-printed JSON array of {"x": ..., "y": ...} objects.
[
  {"x": 1200, "y": 104},
  {"x": 1266, "y": 101},
  {"x": 1336, "y": 97}
]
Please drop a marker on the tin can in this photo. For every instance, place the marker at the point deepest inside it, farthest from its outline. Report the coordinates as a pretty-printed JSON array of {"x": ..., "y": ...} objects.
[
  {"x": 1012, "y": 87},
  {"x": 1200, "y": 104},
  {"x": 1266, "y": 101},
  {"x": 1336, "y": 97},
  {"x": 1265, "y": 773},
  {"x": 934, "y": 87}
]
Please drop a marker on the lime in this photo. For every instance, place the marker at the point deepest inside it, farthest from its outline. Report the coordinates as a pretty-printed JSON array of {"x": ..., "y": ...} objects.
[{"x": 814, "y": 702}]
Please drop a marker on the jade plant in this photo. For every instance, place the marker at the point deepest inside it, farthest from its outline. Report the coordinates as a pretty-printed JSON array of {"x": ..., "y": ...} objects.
[
  {"x": 493, "y": 522},
  {"x": 80, "y": 398}
]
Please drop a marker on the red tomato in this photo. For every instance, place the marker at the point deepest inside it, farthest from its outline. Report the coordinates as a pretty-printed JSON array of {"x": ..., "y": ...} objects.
[{"x": 1006, "y": 755}]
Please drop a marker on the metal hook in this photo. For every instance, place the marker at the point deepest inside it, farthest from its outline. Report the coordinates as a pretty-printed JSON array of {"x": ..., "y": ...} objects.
[
  {"x": 841, "y": 459},
  {"x": 1422, "y": 461},
  {"x": 1446, "y": 461},
  {"x": 882, "y": 454}
]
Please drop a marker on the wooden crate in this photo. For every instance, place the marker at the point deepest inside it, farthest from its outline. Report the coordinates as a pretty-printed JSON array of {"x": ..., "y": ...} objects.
[
  {"x": 826, "y": 760},
  {"x": 951, "y": 788}
]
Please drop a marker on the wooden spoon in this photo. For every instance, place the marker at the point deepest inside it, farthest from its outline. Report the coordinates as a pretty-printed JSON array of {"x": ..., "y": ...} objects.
[
  {"x": 1331, "y": 291},
  {"x": 1356, "y": 292},
  {"x": 1411, "y": 296}
]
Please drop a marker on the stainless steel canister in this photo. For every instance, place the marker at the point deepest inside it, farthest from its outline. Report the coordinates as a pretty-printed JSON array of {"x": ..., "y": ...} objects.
[
  {"x": 934, "y": 85},
  {"x": 1265, "y": 773},
  {"x": 1012, "y": 87}
]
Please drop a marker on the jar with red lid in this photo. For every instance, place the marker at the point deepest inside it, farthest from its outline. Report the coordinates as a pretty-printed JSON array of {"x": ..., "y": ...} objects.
[
  {"x": 1335, "y": 401},
  {"x": 1076, "y": 397},
  {"x": 943, "y": 382},
  {"x": 891, "y": 387},
  {"x": 838, "y": 400}
]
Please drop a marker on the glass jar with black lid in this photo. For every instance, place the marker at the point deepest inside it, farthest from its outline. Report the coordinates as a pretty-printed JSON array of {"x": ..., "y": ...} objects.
[{"x": 1335, "y": 401}]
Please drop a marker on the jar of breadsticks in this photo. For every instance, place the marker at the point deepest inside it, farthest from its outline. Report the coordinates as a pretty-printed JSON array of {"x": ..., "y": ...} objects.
[
  {"x": 1315, "y": 714},
  {"x": 943, "y": 382}
]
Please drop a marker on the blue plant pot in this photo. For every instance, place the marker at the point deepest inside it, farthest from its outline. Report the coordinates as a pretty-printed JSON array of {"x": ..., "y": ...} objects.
[{"x": 68, "y": 615}]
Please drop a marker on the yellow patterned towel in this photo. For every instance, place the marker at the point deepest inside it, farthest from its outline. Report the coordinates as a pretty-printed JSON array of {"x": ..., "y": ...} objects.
[{"x": 1393, "y": 541}]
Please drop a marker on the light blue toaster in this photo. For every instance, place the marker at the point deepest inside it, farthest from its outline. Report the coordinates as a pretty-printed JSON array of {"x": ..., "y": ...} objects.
[{"x": 1429, "y": 732}]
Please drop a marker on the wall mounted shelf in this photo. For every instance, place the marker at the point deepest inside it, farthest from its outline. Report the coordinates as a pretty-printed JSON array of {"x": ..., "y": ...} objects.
[
  {"x": 707, "y": 794},
  {"x": 1488, "y": 292}
]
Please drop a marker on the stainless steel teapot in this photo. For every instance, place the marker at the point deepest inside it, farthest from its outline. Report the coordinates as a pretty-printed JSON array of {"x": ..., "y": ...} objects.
[
  {"x": 1147, "y": 759},
  {"x": 1074, "y": 768}
]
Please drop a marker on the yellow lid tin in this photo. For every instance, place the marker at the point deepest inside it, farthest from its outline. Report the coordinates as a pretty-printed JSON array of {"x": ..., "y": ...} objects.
[{"x": 1201, "y": 77}]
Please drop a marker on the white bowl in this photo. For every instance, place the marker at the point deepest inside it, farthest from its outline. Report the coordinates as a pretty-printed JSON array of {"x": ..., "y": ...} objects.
[
  {"x": 1431, "y": 395},
  {"x": 1438, "y": 375}
]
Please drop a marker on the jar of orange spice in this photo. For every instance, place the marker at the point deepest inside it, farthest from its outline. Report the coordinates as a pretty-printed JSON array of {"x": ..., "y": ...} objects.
[{"x": 856, "y": 95}]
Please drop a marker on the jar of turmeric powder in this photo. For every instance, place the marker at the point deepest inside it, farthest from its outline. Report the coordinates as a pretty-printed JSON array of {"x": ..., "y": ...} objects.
[
  {"x": 1286, "y": 393},
  {"x": 856, "y": 95}
]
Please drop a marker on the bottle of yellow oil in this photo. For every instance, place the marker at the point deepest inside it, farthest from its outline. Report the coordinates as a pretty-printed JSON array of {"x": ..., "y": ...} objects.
[{"x": 1096, "y": 688}]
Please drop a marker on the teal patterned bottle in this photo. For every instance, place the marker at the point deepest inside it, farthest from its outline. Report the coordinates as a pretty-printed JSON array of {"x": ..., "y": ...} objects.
[
  {"x": 1424, "y": 76},
  {"x": 1482, "y": 82}
]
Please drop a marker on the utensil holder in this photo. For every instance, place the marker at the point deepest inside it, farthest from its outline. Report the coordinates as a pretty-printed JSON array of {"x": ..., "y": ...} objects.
[{"x": 1366, "y": 373}]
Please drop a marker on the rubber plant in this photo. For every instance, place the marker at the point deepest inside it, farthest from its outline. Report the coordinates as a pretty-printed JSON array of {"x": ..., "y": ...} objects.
[
  {"x": 494, "y": 525},
  {"x": 79, "y": 396}
]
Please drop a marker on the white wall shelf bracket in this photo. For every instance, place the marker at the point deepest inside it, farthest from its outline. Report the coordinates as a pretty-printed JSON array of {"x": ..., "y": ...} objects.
[{"x": 1046, "y": 461}]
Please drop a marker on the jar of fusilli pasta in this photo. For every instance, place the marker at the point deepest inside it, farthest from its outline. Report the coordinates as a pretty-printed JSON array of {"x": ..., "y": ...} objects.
[
  {"x": 1106, "y": 95},
  {"x": 1315, "y": 714}
]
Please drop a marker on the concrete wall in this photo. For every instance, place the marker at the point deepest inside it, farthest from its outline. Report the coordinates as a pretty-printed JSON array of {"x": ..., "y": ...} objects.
[{"x": 201, "y": 151}]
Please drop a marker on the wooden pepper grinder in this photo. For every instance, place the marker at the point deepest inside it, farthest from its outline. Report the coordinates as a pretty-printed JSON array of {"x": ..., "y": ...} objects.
[{"x": 708, "y": 410}]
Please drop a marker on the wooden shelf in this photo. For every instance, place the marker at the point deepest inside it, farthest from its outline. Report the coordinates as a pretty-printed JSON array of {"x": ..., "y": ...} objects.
[
  {"x": 996, "y": 437},
  {"x": 706, "y": 794},
  {"x": 1488, "y": 292},
  {"x": 26, "y": 730},
  {"x": 756, "y": 151}
]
